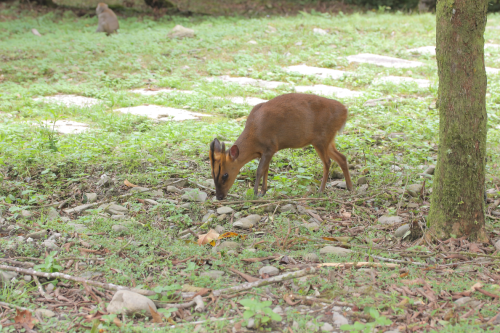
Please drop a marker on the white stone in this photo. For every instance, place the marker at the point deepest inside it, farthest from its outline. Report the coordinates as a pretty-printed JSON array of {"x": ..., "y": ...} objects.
[
  {"x": 319, "y": 31},
  {"x": 326, "y": 327},
  {"x": 148, "y": 92},
  {"x": 339, "y": 251},
  {"x": 339, "y": 319},
  {"x": 390, "y": 219},
  {"x": 252, "y": 101},
  {"x": 128, "y": 302},
  {"x": 45, "y": 313},
  {"x": 430, "y": 50},
  {"x": 69, "y": 100},
  {"x": 421, "y": 83},
  {"x": 224, "y": 210},
  {"x": 194, "y": 195},
  {"x": 244, "y": 223},
  {"x": 253, "y": 42},
  {"x": 162, "y": 113},
  {"x": 65, "y": 126},
  {"x": 248, "y": 81},
  {"x": 321, "y": 89},
  {"x": 317, "y": 71},
  {"x": 384, "y": 61},
  {"x": 269, "y": 270},
  {"x": 50, "y": 244},
  {"x": 181, "y": 32},
  {"x": 119, "y": 229}
]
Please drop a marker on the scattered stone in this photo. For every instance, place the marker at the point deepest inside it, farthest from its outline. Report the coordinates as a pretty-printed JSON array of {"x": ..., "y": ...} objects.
[
  {"x": 114, "y": 209},
  {"x": 119, "y": 229},
  {"x": 173, "y": 189},
  {"x": 401, "y": 231},
  {"x": 105, "y": 181},
  {"x": 221, "y": 217},
  {"x": 278, "y": 310},
  {"x": 463, "y": 300},
  {"x": 316, "y": 71},
  {"x": 384, "y": 61},
  {"x": 394, "y": 168},
  {"x": 417, "y": 188},
  {"x": 186, "y": 205},
  {"x": 227, "y": 246},
  {"x": 128, "y": 302},
  {"x": 77, "y": 226},
  {"x": 37, "y": 235},
  {"x": 27, "y": 278},
  {"x": 244, "y": 223},
  {"x": 26, "y": 214},
  {"x": 312, "y": 226},
  {"x": 213, "y": 274},
  {"x": 430, "y": 170},
  {"x": 210, "y": 183},
  {"x": 78, "y": 209},
  {"x": 399, "y": 80},
  {"x": 252, "y": 42},
  {"x": 7, "y": 276},
  {"x": 311, "y": 257},
  {"x": 378, "y": 101},
  {"x": 45, "y": 313},
  {"x": 251, "y": 323},
  {"x": 194, "y": 195},
  {"x": 255, "y": 218},
  {"x": 288, "y": 208},
  {"x": 311, "y": 327},
  {"x": 269, "y": 270},
  {"x": 339, "y": 251},
  {"x": 179, "y": 182},
  {"x": 162, "y": 113},
  {"x": 49, "y": 288},
  {"x": 397, "y": 136},
  {"x": 269, "y": 209},
  {"x": 385, "y": 219},
  {"x": 70, "y": 100},
  {"x": 326, "y": 327},
  {"x": 89, "y": 197},
  {"x": 322, "y": 89},
  {"x": 151, "y": 202},
  {"x": 224, "y": 210},
  {"x": 119, "y": 217},
  {"x": 52, "y": 214},
  {"x": 339, "y": 184},
  {"x": 208, "y": 217},
  {"x": 50, "y": 244},
  {"x": 362, "y": 180},
  {"x": 181, "y": 32},
  {"x": 339, "y": 320},
  {"x": 497, "y": 245},
  {"x": 430, "y": 50},
  {"x": 319, "y": 31}
]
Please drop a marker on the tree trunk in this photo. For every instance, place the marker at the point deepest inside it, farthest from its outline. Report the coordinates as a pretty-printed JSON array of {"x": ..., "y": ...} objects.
[{"x": 457, "y": 202}]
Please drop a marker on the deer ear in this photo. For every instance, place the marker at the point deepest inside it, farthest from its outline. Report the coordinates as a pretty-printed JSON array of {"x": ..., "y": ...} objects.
[
  {"x": 215, "y": 146},
  {"x": 234, "y": 152}
]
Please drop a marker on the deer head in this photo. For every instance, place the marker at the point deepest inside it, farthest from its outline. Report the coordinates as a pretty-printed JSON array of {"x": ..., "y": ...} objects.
[{"x": 224, "y": 167}]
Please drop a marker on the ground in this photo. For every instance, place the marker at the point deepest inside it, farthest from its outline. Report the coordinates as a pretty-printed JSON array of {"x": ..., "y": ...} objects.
[{"x": 408, "y": 282}]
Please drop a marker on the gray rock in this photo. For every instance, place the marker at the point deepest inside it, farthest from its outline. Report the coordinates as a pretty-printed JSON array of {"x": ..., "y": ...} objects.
[
  {"x": 194, "y": 195},
  {"x": 385, "y": 219},
  {"x": 37, "y": 235},
  {"x": 213, "y": 274},
  {"x": 270, "y": 208},
  {"x": 146, "y": 191},
  {"x": 463, "y": 300},
  {"x": 45, "y": 313},
  {"x": 52, "y": 215},
  {"x": 339, "y": 184},
  {"x": 128, "y": 302},
  {"x": 120, "y": 229},
  {"x": 430, "y": 170},
  {"x": 226, "y": 246},
  {"x": 415, "y": 187},
  {"x": 362, "y": 180},
  {"x": 151, "y": 202},
  {"x": 29, "y": 240},
  {"x": 311, "y": 327},
  {"x": 339, "y": 320},
  {"x": 49, "y": 288},
  {"x": 89, "y": 197},
  {"x": 50, "y": 244},
  {"x": 186, "y": 205},
  {"x": 313, "y": 226},
  {"x": 181, "y": 32},
  {"x": 210, "y": 183},
  {"x": 251, "y": 323},
  {"x": 173, "y": 189},
  {"x": 363, "y": 188},
  {"x": 288, "y": 208},
  {"x": 208, "y": 216},
  {"x": 179, "y": 182},
  {"x": 65, "y": 219},
  {"x": 295, "y": 325},
  {"x": 119, "y": 217},
  {"x": 219, "y": 229},
  {"x": 243, "y": 223},
  {"x": 7, "y": 276},
  {"x": 339, "y": 251},
  {"x": 255, "y": 218},
  {"x": 78, "y": 209},
  {"x": 401, "y": 231},
  {"x": 311, "y": 257},
  {"x": 497, "y": 245},
  {"x": 224, "y": 210},
  {"x": 114, "y": 209},
  {"x": 78, "y": 227},
  {"x": 26, "y": 214},
  {"x": 326, "y": 327},
  {"x": 319, "y": 31},
  {"x": 394, "y": 168},
  {"x": 221, "y": 217},
  {"x": 278, "y": 310},
  {"x": 397, "y": 136},
  {"x": 269, "y": 270},
  {"x": 104, "y": 181},
  {"x": 27, "y": 278}
]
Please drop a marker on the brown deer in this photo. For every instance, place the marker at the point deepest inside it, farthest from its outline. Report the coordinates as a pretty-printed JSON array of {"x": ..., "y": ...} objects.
[{"x": 287, "y": 121}]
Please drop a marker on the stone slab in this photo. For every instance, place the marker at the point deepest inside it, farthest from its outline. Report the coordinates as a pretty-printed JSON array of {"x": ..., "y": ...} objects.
[
  {"x": 430, "y": 50},
  {"x": 321, "y": 89},
  {"x": 384, "y": 61},
  {"x": 162, "y": 113},
  {"x": 70, "y": 100},
  {"x": 67, "y": 126},
  {"x": 252, "y": 101},
  {"x": 153, "y": 92},
  {"x": 248, "y": 81},
  {"x": 421, "y": 83},
  {"x": 317, "y": 71}
]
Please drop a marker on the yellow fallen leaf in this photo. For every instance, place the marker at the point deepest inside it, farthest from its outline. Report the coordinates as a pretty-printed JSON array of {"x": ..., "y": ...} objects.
[
  {"x": 208, "y": 237},
  {"x": 156, "y": 316},
  {"x": 129, "y": 184},
  {"x": 477, "y": 285},
  {"x": 186, "y": 288}
]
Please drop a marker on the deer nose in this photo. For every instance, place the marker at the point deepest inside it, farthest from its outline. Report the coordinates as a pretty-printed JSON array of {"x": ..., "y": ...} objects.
[{"x": 220, "y": 196}]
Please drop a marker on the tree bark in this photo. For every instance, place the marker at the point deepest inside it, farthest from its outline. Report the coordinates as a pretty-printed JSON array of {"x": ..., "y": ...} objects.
[{"x": 457, "y": 201}]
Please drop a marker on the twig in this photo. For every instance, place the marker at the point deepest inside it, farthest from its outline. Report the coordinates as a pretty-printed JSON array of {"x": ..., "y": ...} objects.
[
  {"x": 14, "y": 262},
  {"x": 264, "y": 282},
  {"x": 202, "y": 321},
  {"x": 212, "y": 190},
  {"x": 12, "y": 306},
  {"x": 107, "y": 286},
  {"x": 398, "y": 261},
  {"x": 40, "y": 288},
  {"x": 123, "y": 247},
  {"x": 357, "y": 264},
  {"x": 173, "y": 305}
]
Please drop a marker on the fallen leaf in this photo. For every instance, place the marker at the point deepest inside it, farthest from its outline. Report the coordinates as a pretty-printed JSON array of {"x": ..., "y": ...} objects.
[
  {"x": 346, "y": 214},
  {"x": 474, "y": 248},
  {"x": 129, "y": 184},
  {"x": 476, "y": 286},
  {"x": 156, "y": 316},
  {"x": 316, "y": 216},
  {"x": 289, "y": 301},
  {"x": 117, "y": 322},
  {"x": 232, "y": 234},
  {"x": 24, "y": 318},
  {"x": 208, "y": 237},
  {"x": 261, "y": 259},
  {"x": 247, "y": 277}
]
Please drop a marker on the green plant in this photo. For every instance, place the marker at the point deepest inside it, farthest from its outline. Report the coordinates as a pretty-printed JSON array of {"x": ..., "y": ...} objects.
[
  {"x": 259, "y": 311},
  {"x": 368, "y": 327},
  {"x": 50, "y": 265}
]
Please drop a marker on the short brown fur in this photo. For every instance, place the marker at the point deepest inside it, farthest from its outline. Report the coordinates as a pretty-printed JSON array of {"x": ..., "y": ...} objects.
[
  {"x": 287, "y": 121},
  {"x": 107, "y": 20}
]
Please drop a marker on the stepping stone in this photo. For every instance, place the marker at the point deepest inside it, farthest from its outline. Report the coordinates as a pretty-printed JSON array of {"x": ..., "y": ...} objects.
[
  {"x": 430, "y": 50},
  {"x": 252, "y": 101},
  {"x": 490, "y": 70},
  {"x": 328, "y": 90},
  {"x": 421, "y": 83},
  {"x": 70, "y": 100},
  {"x": 67, "y": 126},
  {"x": 384, "y": 61},
  {"x": 162, "y": 113},
  {"x": 150, "y": 92},
  {"x": 248, "y": 81},
  {"x": 317, "y": 71}
]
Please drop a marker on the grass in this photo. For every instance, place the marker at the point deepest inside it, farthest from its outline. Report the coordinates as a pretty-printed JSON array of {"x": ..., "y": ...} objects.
[{"x": 38, "y": 167}]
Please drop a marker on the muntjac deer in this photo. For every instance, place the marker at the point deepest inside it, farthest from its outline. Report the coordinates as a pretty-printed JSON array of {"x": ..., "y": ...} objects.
[{"x": 287, "y": 121}]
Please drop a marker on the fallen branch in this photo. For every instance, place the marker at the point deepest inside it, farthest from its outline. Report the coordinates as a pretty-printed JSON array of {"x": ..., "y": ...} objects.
[
  {"x": 40, "y": 288},
  {"x": 107, "y": 286},
  {"x": 247, "y": 277},
  {"x": 174, "y": 305},
  {"x": 357, "y": 264},
  {"x": 264, "y": 282},
  {"x": 12, "y": 306},
  {"x": 398, "y": 261},
  {"x": 15, "y": 262},
  {"x": 202, "y": 321}
]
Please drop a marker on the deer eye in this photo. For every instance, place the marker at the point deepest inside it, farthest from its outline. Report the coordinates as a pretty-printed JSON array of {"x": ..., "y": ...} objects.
[{"x": 224, "y": 177}]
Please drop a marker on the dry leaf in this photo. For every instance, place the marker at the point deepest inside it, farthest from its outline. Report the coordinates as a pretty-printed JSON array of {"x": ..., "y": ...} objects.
[
  {"x": 208, "y": 237},
  {"x": 316, "y": 216},
  {"x": 474, "y": 248},
  {"x": 191, "y": 289},
  {"x": 156, "y": 316},
  {"x": 346, "y": 214},
  {"x": 117, "y": 322},
  {"x": 247, "y": 277},
  {"x": 289, "y": 301},
  {"x": 24, "y": 318},
  {"x": 476, "y": 286},
  {"x": 129, "y": 184}
]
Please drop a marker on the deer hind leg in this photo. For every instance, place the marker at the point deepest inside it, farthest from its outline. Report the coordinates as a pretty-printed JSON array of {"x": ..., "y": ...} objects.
[
  {"x": 323, "y": 154},
  {"x": 342, "y": 162}
]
